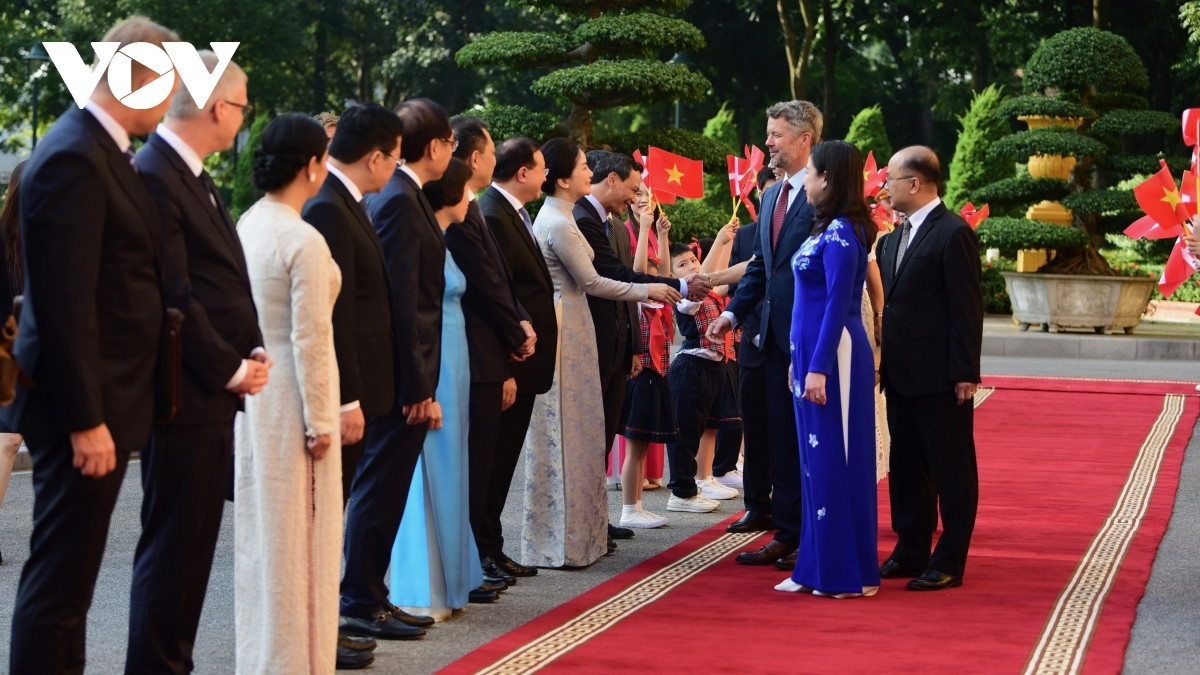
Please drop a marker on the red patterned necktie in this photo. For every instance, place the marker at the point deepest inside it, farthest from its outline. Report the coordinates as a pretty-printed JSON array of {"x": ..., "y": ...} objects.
[{"x": 781, "y": 207}]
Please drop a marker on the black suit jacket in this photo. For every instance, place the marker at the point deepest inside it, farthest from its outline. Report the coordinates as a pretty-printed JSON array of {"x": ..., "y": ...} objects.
[
  {"x": 205, "y": 278},
  {"x": 740, "y": 251},
  {"x": 415, "y": 251},
  {"x": 933, "y": 307},
  {"x": 490, "y": 307},
  {"x": 93, "y": 308},
  {"x": 362, "y": 315},
  {"x": 618, "y": 336},
  {"x": 532, "y": 285},
  {"x": 768, "y": 279}
]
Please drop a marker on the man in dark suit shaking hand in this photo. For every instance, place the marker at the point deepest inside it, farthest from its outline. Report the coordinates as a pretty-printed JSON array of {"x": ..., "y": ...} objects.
[
  {"x": 932, "y": 335},
  {"x": 185, "y": 468},
  {"x": 90, "y": 328},
  {"x": 784, "y": 222}
]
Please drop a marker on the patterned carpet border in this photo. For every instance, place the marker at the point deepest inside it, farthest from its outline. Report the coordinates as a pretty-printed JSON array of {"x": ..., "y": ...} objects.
[{"x": 1068, "y": 631}]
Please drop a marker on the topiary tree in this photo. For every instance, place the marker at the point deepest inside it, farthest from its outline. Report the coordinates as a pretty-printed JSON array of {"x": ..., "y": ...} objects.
[
  {"x": 244, "y": 192},
  {"x": 868, "y": 134},
  {"x": 971, "y": 167},
  {"x": 1087, "y": 81},
  {"x": 605, "y": 56}
]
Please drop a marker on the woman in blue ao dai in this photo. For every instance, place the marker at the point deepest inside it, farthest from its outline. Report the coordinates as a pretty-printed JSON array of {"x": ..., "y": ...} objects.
[{"x": 833, "y": 377}]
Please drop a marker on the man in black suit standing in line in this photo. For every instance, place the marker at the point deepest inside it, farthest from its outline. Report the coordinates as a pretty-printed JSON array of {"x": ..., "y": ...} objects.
[
  {"x": 90, "y": 329},
  {"x": 518, "y": 177},
  {"x": 362, "y": 158},
  {"x": 932, "y": 337},
  {"x": 498, "y": 328},
  {"x": 415, "y": 251},
  {"x": 361, "y": 161},
  {"x": 185, "y": 468},
  {"x": 615, "y": 182},
  {"x": 784, "y": 222}
]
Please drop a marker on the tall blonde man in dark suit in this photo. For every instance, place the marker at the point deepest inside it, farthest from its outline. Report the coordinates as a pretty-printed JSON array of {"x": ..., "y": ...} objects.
[{"x": 90, "y": 328}]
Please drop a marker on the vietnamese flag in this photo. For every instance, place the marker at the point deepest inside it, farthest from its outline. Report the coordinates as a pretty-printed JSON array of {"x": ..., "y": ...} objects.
[
  {"x": 1160, "y": 199},
  {"x": 1180, "y": 266},
  {"x": 873, "y": 176},
  {"x": 675, "y": 174},
  {"x": 972, "y": 216},
  {"x": 660, "y": 197}
]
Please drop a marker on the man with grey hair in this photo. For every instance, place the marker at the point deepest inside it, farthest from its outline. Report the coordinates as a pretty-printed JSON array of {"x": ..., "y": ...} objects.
[
  {"x": 763, "y": 306},
  {"x": 185, "y": 466},
  {"x": 90, "y": 329}
]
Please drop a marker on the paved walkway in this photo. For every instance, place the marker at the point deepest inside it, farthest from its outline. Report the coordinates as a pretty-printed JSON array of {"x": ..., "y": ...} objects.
[{"x": 1164, "y": 638}]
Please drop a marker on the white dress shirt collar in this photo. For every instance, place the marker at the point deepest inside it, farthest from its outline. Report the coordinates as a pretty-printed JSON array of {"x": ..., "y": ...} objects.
[
  {"x": 350, "y": 186},
  {"x": 516, "y": 203},
  {"x": 185, "y": 151},
  {"x": 119, "y": 135},
  {"x": 918, "y": 217},
  {"x": 598, "y": 206},
  {"x": 412, "y": 174}
]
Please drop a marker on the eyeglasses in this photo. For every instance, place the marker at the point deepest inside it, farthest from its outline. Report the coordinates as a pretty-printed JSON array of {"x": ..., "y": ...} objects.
[
  {"x": 889, "y": 180},
  {"x": 450, "y": 142},
  {"x": 246, "y": 107},
  {"x": 390, "y": 156}
]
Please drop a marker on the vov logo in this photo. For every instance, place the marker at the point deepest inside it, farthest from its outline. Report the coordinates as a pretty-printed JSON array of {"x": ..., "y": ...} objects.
[{"x": 178, "y": 58}]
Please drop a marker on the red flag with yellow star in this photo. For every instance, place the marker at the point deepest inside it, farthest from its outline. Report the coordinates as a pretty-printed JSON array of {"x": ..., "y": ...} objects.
[
  {"x": 659, "y": 196},
  {"x": 873, "y": 176},
  {"x": 675, "y": 174},
  {"x": 1160, "y": 199}
]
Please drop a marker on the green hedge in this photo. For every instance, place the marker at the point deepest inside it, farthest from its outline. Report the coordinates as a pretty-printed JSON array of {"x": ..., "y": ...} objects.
[
  {"x": 513, "y": 49},
  {"x": 1019, "y": 190},
  {"x": 1014, "y": 234},
  {"x": 868, "y": 134},
  {"x": 1135, "y": 122},
  {"x": 1080, "y": 58},
  {"x": 995, "y": 294},
  {"x": 631, "y": 80},
  {"x": 650, "y": 31},
  {"x": 1111, "y": 201},
  {"x": 971, "y": 168},
  {"x": 506, "y": 121},
  {"x": 1042, "y": 105},
  {"x": 1143, "y": 164},
  {"x": 1049, "y": 141}
]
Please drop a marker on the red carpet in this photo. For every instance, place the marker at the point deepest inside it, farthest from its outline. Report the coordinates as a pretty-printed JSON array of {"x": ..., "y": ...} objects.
[{"x": 1077, "y": 479}]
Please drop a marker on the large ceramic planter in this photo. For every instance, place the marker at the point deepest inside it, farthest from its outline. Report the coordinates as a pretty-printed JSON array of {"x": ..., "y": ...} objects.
[{"x": 1059, "y": 301}]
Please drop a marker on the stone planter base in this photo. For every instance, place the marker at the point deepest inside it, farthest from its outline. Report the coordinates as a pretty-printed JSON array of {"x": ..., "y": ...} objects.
[{"x": 1058, "y": 301}]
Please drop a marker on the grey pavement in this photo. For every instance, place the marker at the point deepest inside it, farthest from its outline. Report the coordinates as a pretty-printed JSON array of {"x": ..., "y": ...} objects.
[{"x": 1164, "y": 636}]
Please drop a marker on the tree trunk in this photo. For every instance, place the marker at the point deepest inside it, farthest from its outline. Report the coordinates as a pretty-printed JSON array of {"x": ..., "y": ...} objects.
[
  {"x": 809, "y": 14},
  {"x": 579, "y": 126},
  {"x": 1100, "y": 14},
  {"x": 318, "y": 69},
  {"x": 791, "y": 50},
  {"x": 832, "y": 42}
]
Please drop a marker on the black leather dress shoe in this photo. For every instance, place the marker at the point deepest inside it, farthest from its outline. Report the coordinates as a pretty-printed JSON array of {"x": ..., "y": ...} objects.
[
  {"x": 358, "y": 643},
  {"x": 615, "y": 532},
  {"x": 612, "y": 545},
  {"x": 512, "y": 567},
  {"x": 482, "y": 596},
  {"x": 890, "y": 569},
  {"x": 933, "y": 580},
  {"x": 766, "y": 555},
  {"x": 383, "y": 626},
  {"x": 751, "y": 522},
  {"x": 411, "y": 619},
  {"x": 787, "y": 563},
  {"x": 491, "y": 584},
  {"x": 349, "y": 659},
  {"x": 491, "y": 570}
]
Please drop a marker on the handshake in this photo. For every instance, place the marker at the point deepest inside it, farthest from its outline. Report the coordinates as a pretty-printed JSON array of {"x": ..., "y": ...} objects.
[{"x": 698, "y": 286}]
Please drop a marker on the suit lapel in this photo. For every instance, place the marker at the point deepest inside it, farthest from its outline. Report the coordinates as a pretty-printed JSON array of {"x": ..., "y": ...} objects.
[
  {"x": 518, "y": 224},
  {"x": 764, "y": 233},
  {"x": 420, "y": 196},
  {"x": 930, "y": 223},
  {"x": 217, "y": 216},
  {"x": 359, "y": 215}
]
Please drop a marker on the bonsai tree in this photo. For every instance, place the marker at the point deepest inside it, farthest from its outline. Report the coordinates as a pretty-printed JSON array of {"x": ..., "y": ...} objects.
[
  {"x": 1087, "y": 82},
  {"x": 868, "y": 134},
  {"x": 971, "y": 167},
  {"x": 604, "y": 56}
]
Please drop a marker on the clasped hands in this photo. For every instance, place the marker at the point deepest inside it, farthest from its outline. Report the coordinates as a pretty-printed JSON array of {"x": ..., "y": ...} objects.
[{"x": 526, "y": 349}]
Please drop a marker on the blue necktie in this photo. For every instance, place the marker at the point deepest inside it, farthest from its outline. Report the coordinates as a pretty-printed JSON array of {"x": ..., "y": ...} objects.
[{"x": 528, "y": 222}]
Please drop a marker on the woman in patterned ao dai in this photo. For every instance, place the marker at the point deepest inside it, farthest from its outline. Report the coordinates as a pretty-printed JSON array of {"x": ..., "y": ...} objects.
[
  {"x": 288, "y": 477},
  {"x": 833, "y": 378},
  {"x": 566, "y": 508}
]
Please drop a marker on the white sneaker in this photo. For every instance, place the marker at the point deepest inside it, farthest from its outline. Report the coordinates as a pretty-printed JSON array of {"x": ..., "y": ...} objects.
[
  {"x": 711, "y": 489},
  {"x": 733, "y": 479},
  {"x": 642, "y": 519},
  {"x": 694, "y": 504}
]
